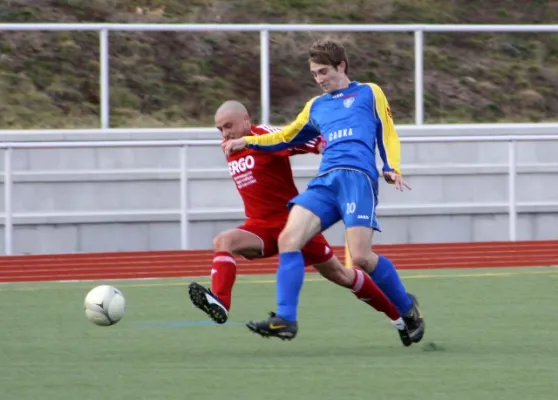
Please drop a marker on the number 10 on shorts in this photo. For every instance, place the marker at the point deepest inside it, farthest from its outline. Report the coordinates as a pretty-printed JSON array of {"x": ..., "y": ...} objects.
[{"x": 351, "y": 207}]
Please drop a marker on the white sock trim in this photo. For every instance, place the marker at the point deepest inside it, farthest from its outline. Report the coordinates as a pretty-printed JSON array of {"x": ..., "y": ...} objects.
[
  {"x": 224, "y": 259},
  {"x": 359, "y": 281},
  {"x": 399, "y": 324}
]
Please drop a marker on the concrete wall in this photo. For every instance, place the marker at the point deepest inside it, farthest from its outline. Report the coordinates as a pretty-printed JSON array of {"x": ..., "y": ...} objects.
[{"x": 81, "y": 200}]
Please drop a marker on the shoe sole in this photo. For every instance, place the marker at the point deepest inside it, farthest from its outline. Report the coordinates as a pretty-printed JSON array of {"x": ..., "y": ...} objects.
[
  {"x": 197, "y": 296},
  {"x": 266, "y": 334},
  {"x": 404, "y": 335},
  {"x": 405, "y": 338},
  {"x": 417, "y": 335}
]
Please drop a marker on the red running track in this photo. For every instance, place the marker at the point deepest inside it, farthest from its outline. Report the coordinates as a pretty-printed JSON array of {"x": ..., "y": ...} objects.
[{"x": 164, "y": 264}]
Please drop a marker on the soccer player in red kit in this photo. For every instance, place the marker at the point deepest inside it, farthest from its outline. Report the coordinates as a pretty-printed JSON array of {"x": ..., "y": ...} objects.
[{"x": 265, "y": 183}]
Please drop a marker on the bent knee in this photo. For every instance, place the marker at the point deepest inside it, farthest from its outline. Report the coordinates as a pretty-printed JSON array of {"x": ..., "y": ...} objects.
[
  {"x": 290, "y": 240},
  {"x": 223, "y": 242},
  {"x": 366, "y": 260}
]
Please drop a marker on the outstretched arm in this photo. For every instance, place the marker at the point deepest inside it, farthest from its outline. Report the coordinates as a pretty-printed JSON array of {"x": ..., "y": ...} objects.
[
  {"x": 313, "y": 146},
  {"x": 298, "y": 132}
]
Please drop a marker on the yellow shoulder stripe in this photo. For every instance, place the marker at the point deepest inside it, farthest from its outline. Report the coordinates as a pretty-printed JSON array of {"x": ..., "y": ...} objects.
[{"x": 288, "y": 133}]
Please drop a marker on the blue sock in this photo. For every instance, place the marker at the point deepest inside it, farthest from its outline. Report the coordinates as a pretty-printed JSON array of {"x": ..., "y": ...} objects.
[
  {"x": 387, "y": 279},
  {"x": 290, "y": 277}
]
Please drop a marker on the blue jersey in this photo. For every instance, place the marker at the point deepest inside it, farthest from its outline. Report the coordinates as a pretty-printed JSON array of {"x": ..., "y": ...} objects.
[{"x": 353, "y": 122}]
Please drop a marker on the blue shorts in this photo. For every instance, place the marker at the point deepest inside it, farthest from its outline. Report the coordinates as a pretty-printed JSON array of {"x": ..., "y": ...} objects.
[{"x": 342, "y": 194}]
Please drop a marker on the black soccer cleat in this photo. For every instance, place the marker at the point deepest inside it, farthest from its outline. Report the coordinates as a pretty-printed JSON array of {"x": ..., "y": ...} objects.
[
  {"x": 403, "y": 332},
  {"x": 274, "y": 326},
  {"x": 415, "y": 323},
  {"x": 206, "y": 301}
]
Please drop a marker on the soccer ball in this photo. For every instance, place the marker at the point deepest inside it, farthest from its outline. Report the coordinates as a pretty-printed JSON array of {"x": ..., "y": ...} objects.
[{"x": 104, "y": 305}]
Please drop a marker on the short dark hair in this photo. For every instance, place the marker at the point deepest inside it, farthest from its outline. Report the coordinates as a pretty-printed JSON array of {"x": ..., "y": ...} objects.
[{"x": 329, "y": 52}]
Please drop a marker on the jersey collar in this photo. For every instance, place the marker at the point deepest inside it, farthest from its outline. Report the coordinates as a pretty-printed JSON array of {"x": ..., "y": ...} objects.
[{"x": 352, "y": 84}]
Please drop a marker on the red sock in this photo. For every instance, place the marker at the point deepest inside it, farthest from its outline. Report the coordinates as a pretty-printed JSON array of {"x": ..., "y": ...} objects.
[
  {"x": 223, "y": 275},
  {"x": 366, "y": 290}
]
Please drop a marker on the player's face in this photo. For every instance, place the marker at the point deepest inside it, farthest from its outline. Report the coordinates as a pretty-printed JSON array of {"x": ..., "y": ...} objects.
[
  {"x": 328, "y": 77},
  {"x": 232, "y": 125}
]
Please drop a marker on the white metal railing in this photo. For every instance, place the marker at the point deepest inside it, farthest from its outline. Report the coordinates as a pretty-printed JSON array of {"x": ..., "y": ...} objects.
[
  {"x": 264, "y": 30},
  {"x": 183, "y": 148},
  {"x": 102, "y": 134}
]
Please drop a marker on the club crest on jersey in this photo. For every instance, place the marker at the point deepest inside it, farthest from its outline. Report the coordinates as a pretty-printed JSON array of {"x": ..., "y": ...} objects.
[{"x": 348, "y": 102}]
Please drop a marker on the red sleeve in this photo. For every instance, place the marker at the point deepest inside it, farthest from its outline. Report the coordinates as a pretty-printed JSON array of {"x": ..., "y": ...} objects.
[{"x": 312, "y": 146}]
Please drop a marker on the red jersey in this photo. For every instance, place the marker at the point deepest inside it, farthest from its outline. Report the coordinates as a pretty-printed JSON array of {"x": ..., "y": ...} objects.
[{"x": 265, "y": 180}]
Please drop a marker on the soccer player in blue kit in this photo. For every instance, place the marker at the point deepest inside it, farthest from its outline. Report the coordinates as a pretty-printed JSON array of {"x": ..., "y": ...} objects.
[{"x": 353, "y": 119}]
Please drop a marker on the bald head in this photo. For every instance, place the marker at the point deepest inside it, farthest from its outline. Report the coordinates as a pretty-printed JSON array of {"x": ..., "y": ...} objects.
[
  {"x": 231, "y": 107},
  {"x": 232, "y": 119}
]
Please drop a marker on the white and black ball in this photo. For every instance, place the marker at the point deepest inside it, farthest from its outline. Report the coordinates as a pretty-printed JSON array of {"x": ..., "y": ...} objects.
[{"x": 104, "y": 305}]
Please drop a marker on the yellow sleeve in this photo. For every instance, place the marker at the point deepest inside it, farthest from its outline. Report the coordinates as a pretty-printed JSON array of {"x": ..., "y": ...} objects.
[
  {"x": 300, "y": 129},
  {"x": 389, "y": 145}
]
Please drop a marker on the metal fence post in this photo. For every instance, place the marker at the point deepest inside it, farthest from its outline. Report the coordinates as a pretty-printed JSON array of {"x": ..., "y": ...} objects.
[
  {"x": 419, "y": 78},
  {"x": 184, "y": 223},
  {"x": 104, "y": 79},
  {"x": 264, "y": 77},
  {"x": 8, "y": 222},
  {"x": 512, "y": 173}
]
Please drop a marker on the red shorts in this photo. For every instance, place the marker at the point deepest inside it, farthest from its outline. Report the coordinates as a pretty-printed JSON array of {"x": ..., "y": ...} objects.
[{"x": 316, "y": 251}]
